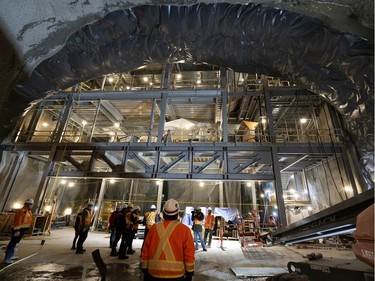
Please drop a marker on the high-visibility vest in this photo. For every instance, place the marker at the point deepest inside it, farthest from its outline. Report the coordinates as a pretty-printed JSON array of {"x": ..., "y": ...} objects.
[
  {"x": 87, "y": 217},
  {"x": 168, "y": 250},
  {"x": 209, "y": 221},
  {"x": 22, "y": 218},
  {"x": 129, "y": 220},
  {"x": 135, "y": 218},
  {"x": 150, "y": 219}
]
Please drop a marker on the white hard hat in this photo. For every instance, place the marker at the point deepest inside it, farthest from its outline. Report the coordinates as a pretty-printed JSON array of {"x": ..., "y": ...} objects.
[
  {"x": 29, "y": 201},
  {"x": 209, "y": 209},
  {"x": 90, "y": 203},
  {"x": 171, "y": 207},
  {"x": 153, "y": 207},
  {"x": 136, "y": 208}
]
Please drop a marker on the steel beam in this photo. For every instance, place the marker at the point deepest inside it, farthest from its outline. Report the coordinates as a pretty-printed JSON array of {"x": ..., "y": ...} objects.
[{"x": 337, "y": 219}]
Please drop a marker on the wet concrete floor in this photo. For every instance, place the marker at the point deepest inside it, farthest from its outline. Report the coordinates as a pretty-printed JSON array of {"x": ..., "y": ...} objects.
[{"x": 55, "y": 261}]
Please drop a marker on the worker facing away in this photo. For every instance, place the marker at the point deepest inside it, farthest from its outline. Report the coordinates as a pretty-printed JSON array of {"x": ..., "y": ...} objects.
[
  {"x": 21, "y": 223},
  {"x": 209, "y": 224},
  {"x": 86, "y": 223},
  {"x": 168, "y": 252}
]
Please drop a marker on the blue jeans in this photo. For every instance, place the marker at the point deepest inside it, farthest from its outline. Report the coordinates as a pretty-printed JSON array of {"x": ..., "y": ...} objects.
[
  {"x": 9, "y": 252},
  {"x": 196, "y": 234}
]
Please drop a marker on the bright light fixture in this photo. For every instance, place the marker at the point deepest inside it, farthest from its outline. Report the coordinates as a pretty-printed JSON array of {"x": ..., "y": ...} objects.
[
  {"x": 201, "y": 184},
  {"x": 248, "y": 184},
  {"x": 71, "y": 184},
  {"x": 303, "y": 120},
  {"x": 309, "y": 208},
  {"x": 111, "y": 181},
  {"x": 145, "y": 79},
  {"x": 17, "y": 205},
  {"x": 262, "y": 195},
  {"x": 117, "y": 125},
  {"x": 178, "y": 76},
  {"x": 48, "y": 208},
  {"x": 110, "y": 79},
  {"x": 45, "y": 124},
  {"x": 84, "y": 123},
  {"x": 63, "y": 181},
  {"x": 68, "y": 211}
]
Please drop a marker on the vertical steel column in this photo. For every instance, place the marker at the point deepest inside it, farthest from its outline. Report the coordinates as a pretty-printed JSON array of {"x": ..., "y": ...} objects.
[
  {"x": 275, "y": 159},
  {"x": 254, "y": 197},
  {"x": 160, "y": 196},
  {"x": 224, "y": 110},
  {"x": 221, "y": 194},
  {"x": 271, "y": 125},
  {"x": 94, "y": 123},
  {"x": 34, "y": 121},
  {"x": 103, "y": 188},
  {"x": 4, "y": 195},
  {"x": 349, "y": 171},
  {"x": 164, "y": 100},
  {"x": 42, "y": 189},
  {"x": 63, "y": 119},
  {"x": 163, "y": 110},
  {"x": 278, "y": 186},
  {"x": 152, "y": 118}
]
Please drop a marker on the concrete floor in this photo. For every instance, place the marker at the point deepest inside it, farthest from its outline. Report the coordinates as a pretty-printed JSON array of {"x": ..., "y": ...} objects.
[{"x": 55, "y": 261}]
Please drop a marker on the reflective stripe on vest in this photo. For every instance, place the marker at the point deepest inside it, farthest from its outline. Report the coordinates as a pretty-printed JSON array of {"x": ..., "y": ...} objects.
[
  {"x": 169, "y": 264},
  {"x": 150, "y": 219},
  {"x": 209, "y": 221}
]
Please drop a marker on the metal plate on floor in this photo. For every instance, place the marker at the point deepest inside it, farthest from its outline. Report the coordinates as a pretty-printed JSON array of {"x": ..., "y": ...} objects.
[{"x": 242, "y": 272}]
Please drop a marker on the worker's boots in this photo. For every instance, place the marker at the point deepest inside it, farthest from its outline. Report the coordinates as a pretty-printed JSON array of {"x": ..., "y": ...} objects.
[
  {"x": 114, "y": 253},
  {"x": 123, "y": 257}
]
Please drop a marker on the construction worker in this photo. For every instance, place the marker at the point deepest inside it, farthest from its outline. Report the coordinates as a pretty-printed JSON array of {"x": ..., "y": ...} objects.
[
  {"x": 21, "y": 223},
  {"x": 86, "y": 223},
  {"x": 112, "y": 225},
  {"x": 126, "y": 239},
  {"x": 134, "y": 217},
  {"x": 198, "y": 217},
  {"x": 168, "y": 252},
  {"x": 77, "y": 225},
  {"x": 209, "y": 224},
  {"x": 149, "y": 219},
  {"x": 120, "y": 225}
]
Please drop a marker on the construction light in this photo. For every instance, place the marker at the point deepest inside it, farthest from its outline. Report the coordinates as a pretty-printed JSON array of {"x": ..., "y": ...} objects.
[
  {"x": 63, "y": 181},
  {"x": 84, "y": 123},
  {"x": 68, "y": 211},
  {"x": 71, "y": 184},
  {"x": 111, "y": 181},
  {"x": 178, "y": 75},
  {"x": 303, "y": 120},
  {"x": 201, "y": 184},
  {"x": 17, "y": 205},
  {"x": 48, "y": 208},
  {"x": 45, "y": 124}
]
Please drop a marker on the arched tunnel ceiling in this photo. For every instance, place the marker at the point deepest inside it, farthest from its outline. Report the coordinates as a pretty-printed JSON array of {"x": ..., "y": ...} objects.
[{"x": 247, "y": 38}]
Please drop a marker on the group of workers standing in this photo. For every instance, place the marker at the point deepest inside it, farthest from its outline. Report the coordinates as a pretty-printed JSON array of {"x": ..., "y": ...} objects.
[{"x": 168, "y": 250}]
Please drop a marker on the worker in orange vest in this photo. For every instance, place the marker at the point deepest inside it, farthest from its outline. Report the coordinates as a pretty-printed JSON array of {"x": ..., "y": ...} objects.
[
  {"x": 21, "y": 223},
  {"x": 169, "y": 252},
  {"x": 209, "y": 223},
  {"x": 86, "y": 223},
  {"x": 134, "y": 217},
  {"x": 149, "y": 219}
]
